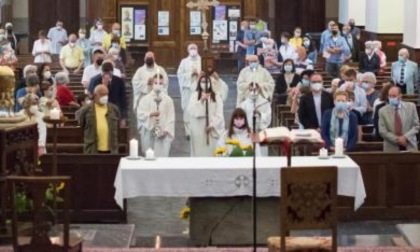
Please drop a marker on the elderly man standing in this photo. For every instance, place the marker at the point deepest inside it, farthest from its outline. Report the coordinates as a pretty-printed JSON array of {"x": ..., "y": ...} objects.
[
  {"x": 405, "y": 73},
  {"x": 254, "y": 73},
  {"x": 71, "y": 56},
  {"x": 143, "y": 79},
  {"x": 368, "y": 84},
  {"x": 58, "y": 37},
  {"x": 398, "y": 123},
  {"x": 99, "y": 121},
  {"x": 188, "y": 74}
]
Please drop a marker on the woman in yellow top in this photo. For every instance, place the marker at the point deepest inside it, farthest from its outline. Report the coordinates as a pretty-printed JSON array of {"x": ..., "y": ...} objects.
[{"x": 297, "y": 38}]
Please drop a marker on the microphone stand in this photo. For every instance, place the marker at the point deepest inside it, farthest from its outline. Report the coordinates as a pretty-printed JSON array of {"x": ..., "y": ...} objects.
[{"x": 254, "y": 181}]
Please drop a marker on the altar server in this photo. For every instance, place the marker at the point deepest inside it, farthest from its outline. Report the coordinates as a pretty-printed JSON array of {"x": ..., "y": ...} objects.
[
  {"x": 218, "y": 84},
  {"x": 188, "y": 74},
  {"x": 256, "y": 103},
  {"x": 143, "y": 78},
  {"x": 156, "y": 119},
  {"x": 204, "y": 137},
  {"x": 254, "y": 73}
]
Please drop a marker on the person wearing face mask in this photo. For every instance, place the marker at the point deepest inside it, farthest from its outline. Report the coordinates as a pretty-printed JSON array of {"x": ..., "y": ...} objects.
[
  {"x": 85, "y": 44},
  {"x": 297, "y": 38},
  {"x": 114, "y": 56},
  {"x": 199, "y": 131},
  {"x": 312, "y": 106},
  {"x": 240, "y": 130},
  {"x": 302, "y": 62},
  {"x": 99, "y": 121},
  {"x": 370, "y": 61},
  {"x": 31, "y": 112},
  {"x": 241, "y": 47},
  {"x": 381, "y": 102},
  {"x": 11, "y": 37},
  {"x": 27, "y": 70},
  {"x": 303, "y": 88},
  {"x": 256, "y": 103},
  {"x": 286, "y": 83},
  {"x": 93, "y": 69},
  {"x": 58, "y": 37},
  {"x": 336, "y": 52},
  {"x": 368, "y": 84},
  {"x": 188, "y": 73},
  {"x": 405, "y": 73},
  {"x": 310, "y": 47},
  {"x": 254, "y": 73},
  {"x": 252, "y": 38},
  {"x": 377, "y": 47},
  {"x": 32, "y": 87},
  {"x": 143, "y": 79},
  {"x": 64, "y": 95},
  {"x": 355, "y": 31},
  {"x": 398, "y": 123},
  {"x": 287, "y": 50},
  {"x": 116, "y": 88},
  {"x": 44, "y": 74},
  {"x": 351, "y": 84},
  {"x": 48, "y": 101},
  {"x": 339, "y": 123},
  {"x": 269, "y": 55},
  {"x": 97, "y": 35},
  {"x": 114, "y": 38},
  {"x": 351, "y": 42},
  {"x": 325, "y": 35},
  {"x": 72, "y": 56},
  {"x": 156, "y": 119},
  {"x": 42, "y": 49}
]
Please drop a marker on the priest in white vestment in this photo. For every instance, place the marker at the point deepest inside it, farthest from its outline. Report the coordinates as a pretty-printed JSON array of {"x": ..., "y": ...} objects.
[
  {"x": 188, "y": 74},
  {"x": 199, "y": 131},
  {"x": 254, "y": 73},
  {"x": 143, "y": 79},
  {"x": 156, "y": 119},
  {"x": 256, "y": 103}
]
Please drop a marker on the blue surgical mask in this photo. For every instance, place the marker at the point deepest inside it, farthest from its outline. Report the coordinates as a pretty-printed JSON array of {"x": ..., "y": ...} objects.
[
  {"x": 306, "y": 43},
  {"x": 253, "y": 65},
  {"x": 365, "y": 86},
  {"x": 401, "y": 59},
  {"x": 305, "y": 82},
  {"x": 341, "y": 106},
  {"x": 288, "y": 68},
  {"x": 394, "y": 101}
]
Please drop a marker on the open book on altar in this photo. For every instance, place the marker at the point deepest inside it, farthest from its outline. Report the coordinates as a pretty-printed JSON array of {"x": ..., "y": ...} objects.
[{"x": 283, "y": 134}]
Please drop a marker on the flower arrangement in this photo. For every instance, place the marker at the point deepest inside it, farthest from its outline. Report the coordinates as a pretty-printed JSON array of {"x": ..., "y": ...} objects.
[{"x": 237, "y": 150}]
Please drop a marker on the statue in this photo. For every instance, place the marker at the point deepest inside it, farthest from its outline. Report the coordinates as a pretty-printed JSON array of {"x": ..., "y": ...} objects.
[{"x": 7, "y": 91}]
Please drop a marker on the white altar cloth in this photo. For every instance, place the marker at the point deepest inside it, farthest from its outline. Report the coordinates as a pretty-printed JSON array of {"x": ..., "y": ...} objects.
[{"x": 223, "y": 177}]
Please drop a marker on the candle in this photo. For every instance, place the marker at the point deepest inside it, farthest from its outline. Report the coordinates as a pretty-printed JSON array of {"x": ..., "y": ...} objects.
[
  {"x": 150, "y": 154},
  {"x": 134, "y": 148},
  {"x": 323, "y": 153},
  {"x": 339, "y": 146},
  {"x": 55, "y": 114},
  {"x": 157, "y": 72},
  {"x": 157, "y": 242}
]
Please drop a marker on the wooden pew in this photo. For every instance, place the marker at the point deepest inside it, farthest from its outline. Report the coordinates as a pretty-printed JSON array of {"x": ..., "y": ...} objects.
[{"x": 92, "y": 186}]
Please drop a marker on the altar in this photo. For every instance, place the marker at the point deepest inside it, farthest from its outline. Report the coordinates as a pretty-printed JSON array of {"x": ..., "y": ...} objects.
[{"x": 218, "y": 186}]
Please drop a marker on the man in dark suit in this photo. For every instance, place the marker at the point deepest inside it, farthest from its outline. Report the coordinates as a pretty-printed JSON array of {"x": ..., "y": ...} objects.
[
  {"x": 116, "y": 87},
  {"x": 312, "y": 106}
]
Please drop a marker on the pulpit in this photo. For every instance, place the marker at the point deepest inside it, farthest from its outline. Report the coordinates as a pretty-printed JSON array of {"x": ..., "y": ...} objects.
[{"x": 18, "y": 156}]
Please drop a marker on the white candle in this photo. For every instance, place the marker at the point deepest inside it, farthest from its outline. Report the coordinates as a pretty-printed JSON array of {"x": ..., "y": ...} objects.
[
  {"x": 157, "y": 242},
  {"x": 150, "y": 154},
  {"x": 134, "y": 148},
  {"x": 157, "y": 72},
  {"x": 55, "y": 114},
  {"x": 323, "y": 153},
  {"x": 339, "y": 146}
]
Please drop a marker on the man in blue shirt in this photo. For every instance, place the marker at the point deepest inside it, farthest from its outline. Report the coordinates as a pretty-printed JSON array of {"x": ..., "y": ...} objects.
[
  {"x": 325, "y": 35},
  {"x": 335, "y": 52},
  {"x": 252, "y": 38},
  {"x": 240, "y": 44}
]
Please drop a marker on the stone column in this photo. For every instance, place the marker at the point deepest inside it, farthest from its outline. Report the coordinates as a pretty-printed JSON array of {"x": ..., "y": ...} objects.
[
  {"x": 352, "y": 9},
  {"x": 385, "y": 22},
  {"x": 411, "y": 27}
]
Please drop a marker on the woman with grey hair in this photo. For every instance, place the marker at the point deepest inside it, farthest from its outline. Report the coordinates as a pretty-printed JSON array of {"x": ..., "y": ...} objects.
[
  {"x": 368, "y": 84},
  {"x": 64, "y": 95}
]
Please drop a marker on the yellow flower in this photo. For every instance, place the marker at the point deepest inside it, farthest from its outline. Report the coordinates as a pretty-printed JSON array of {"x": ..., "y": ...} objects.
[
  {"x": 246, "y": 147},
  {"x": 233, "y": 142},
  {"x": 185, "y": 213},
  {"x": 61, "y": 186},
  {"x": 220, "y": 151}
]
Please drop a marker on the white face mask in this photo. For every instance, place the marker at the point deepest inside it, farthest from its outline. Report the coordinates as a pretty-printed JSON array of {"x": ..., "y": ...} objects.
[
  {"x": 88, "y": 102},
  {"x": 316, "y": 86},
  {"x": 157, "y": 88},
  {"x": 193, "y": 53},
  {"x": 33, "y": 109},
  {"x": 47, "y": 74},
  {"x": 82, "y": 35},
  {"x": 103, "y": 100},
  {"x": 253, "y": 95},
  {"x": 99, "y": 26}
]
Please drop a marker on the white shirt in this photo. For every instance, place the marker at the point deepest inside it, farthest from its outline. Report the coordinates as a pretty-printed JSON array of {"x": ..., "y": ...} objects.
[
  {"x": 40, "y": 47},
  {"x": 288, "y": 52},
  {"x": 97, "y": 36},
  {"x": 317, "y": 102},
  {"x": 90, "y": 71}
]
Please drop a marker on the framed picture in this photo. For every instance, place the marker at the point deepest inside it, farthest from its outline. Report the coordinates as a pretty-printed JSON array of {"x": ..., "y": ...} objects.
[
  {"x": 195, "y": 22},
  {"x": 133, "y": 19}
]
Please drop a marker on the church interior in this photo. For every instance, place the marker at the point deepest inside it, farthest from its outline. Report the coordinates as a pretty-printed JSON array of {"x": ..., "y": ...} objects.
[{"x": 209, "y": 125}]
